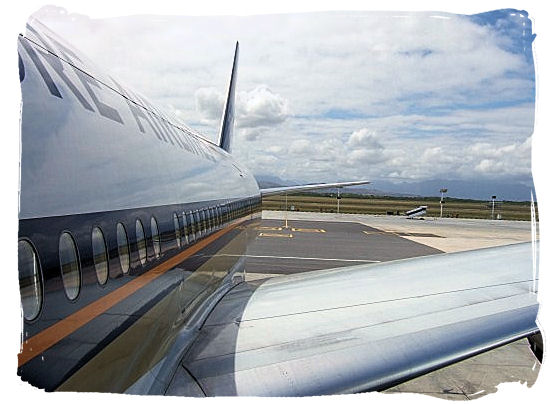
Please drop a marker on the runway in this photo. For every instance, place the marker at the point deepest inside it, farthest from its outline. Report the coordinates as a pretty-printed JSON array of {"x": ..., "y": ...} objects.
[{"x": 294, "y": 242}]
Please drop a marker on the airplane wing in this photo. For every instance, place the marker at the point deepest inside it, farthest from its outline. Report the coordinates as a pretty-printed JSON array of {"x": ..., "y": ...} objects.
[
  {"x": 361, "y": 328},
  {"x": 309, "y": 187}
]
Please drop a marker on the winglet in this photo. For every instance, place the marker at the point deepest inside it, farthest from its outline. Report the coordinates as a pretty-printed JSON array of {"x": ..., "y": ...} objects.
[{"x": 226, "y": 130}]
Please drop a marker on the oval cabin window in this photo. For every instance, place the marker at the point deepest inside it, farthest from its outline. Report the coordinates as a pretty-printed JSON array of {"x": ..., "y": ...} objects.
[
  {"x": 192, "y": 229},
  {"x": 140, "y": 242},
  {"x": 101, "y": 261},
  {"x": 70, "y": 266},
  {"x": 185, "y": 237},
  {"x": 30, "y": 285},
  {"x": 123, "y": 251},
  {"x": 208, "y": 220},
  {"x": 177, "y": 229},
  {"x": 198, "y": 224},
  {"x": 204, "y": 223},
  {"x": 155, "y": 236}
]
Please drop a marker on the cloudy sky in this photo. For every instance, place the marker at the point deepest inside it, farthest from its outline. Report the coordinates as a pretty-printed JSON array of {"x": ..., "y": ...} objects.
[{"x": 340, "y": 95}]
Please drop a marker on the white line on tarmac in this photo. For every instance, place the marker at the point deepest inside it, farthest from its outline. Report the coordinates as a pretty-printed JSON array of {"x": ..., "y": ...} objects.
[{"x": 296, "y": 258}]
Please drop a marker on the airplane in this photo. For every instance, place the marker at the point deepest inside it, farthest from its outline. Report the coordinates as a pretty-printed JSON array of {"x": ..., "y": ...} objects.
[{"x": 132, "y": 234}]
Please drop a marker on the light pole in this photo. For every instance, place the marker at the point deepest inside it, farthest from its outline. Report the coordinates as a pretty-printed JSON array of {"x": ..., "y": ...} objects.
[
  {"x": 441, "y": 202},
  {"x": 286, "y": 210},
  {"x": 493, "y": 207}
]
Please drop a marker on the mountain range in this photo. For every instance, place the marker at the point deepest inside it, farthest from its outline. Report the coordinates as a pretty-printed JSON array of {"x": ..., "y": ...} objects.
[{"x": 462, "y": 189}]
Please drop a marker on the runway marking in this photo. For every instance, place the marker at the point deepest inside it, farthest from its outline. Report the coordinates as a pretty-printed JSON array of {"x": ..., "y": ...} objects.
[
  {"x": 401, "y": 234},
  {"x": 308, "y": 230},
  {"x": 270, "y": 228},
  {"x": 298, "y": 258},
  {"x": 275, "y": 235},
  {"x": 379, "y": 232}
]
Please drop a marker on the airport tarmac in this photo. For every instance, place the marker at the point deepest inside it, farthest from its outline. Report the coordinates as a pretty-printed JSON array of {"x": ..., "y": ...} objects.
[{"x": 293, "y": 242}]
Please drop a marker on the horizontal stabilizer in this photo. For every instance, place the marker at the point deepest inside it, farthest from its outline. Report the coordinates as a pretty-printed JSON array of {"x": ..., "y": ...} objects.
[{"x": 309, "y": 187}]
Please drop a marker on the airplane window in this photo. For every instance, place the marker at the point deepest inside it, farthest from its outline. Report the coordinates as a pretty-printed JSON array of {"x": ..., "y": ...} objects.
[
  {"x": 177, "y": 230},
  {"x": 204, "y": 222},
  {"x": 70, "y": 267},
  {"x": 155, "y": 236},
  {"x": 212, "y": 218},
  {"x": 140, "y": 242},
  {"x": 208, "y": 216},
  {"x": 123, "y": 251},
  {"x": 204, "y": 226},
  {"x": 208, "y": 213},
  {"x": 217, "y": 215},
  {"x": 198, "y": 223},
  {"x": 99, "y": 250},
  {"x": 185, "y": 230},
  {"x": 30, "y": 285},
  {"x": 192, "y": 229}
]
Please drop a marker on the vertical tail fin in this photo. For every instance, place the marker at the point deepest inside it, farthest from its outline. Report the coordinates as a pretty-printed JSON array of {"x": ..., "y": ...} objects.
[{"x": 226, "y": 130}]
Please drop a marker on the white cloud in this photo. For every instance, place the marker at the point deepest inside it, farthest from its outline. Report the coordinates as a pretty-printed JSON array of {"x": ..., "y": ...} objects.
[
  {"x": 252, "y": 134},
  {"x": 261, "y": 107},
  {"x": 209, "y": 102},
  {"x": 300, "y": 147},
  {"x": 418, "y": 97},
  {"x": 365, "y": 138},
  {"x": 258, "y": 110}
]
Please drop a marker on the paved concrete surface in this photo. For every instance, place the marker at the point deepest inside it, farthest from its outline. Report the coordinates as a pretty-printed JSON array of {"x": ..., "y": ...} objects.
[
  {"x": 312, "y": 245},
  {"x": 454, "y": 234},
  {"x": 477, "y": 376},
  {"x": 315, "y": 241}
]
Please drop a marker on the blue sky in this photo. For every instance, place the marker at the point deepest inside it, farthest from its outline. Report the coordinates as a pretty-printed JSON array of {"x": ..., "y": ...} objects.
[{"x": 338, "y": 95}]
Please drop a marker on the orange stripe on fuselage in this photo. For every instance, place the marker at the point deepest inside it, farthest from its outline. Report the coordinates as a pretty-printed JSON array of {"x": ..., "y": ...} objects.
[{"x": 45, "y": 339}]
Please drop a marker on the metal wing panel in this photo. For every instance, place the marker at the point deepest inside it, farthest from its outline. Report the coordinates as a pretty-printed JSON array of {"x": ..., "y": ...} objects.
[
  {"x": 365, "y": 327},
  {"x": 309, "y": 187}
]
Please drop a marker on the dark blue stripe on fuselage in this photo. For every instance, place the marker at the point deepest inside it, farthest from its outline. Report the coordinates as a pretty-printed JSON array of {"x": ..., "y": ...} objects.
[
  {"x": 56, "y": 364},
  {"x": 44, "y": 235}
]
